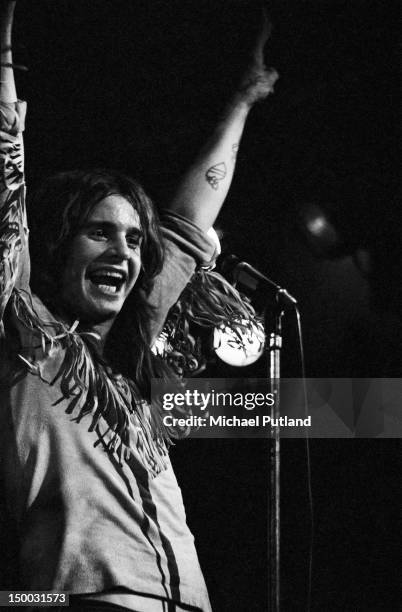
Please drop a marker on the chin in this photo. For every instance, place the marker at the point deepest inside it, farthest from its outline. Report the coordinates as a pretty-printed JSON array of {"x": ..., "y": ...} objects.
[
  {"x": 101, "y": 315},
  {"x": 95, "y": 314}
]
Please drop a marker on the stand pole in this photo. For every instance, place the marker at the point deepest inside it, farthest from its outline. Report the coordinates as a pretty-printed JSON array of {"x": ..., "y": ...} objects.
[{"x": 275, "y": 345}]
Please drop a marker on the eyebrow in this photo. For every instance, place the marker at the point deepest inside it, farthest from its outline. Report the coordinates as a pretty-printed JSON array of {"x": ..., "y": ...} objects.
[{"x": 133, "y": 231}]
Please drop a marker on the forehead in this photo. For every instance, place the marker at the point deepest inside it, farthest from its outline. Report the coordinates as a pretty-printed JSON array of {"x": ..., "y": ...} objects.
[{"x": 116, "y": 210}]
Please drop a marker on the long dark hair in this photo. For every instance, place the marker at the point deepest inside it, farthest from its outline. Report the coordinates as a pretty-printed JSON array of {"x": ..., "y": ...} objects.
[{"x": 59, "y": 208}]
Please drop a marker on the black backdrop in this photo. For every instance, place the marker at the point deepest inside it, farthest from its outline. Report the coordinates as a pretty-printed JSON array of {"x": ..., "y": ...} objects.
[{"x": 139, "y": 85}]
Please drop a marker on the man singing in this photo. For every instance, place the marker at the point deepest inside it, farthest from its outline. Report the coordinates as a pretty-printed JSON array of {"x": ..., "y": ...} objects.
[{"x": 90, "y": 503}]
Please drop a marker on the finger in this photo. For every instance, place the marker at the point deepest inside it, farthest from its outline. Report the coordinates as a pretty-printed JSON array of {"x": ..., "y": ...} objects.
[
  {"x": 263, "y": 36},
  {"x": 7, "y": 12}
]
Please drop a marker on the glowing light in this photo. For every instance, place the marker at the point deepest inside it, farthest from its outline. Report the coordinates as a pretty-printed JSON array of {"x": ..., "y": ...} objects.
[
  {"x": 238, "y": 347},
  {"x": 317, "y": 225}
]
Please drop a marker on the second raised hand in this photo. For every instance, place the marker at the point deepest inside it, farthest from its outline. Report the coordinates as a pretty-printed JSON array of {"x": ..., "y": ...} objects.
[{"x": 258, "y": 81}]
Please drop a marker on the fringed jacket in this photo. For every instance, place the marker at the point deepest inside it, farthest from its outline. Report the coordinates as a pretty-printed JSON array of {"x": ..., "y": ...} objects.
[{"x": 87, "y": 503}]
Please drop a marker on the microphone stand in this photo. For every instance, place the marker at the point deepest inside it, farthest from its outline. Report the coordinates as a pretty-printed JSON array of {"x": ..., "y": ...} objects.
[
  {"x": 245, "y": 274},
  {"x": 274, "y": 348}
]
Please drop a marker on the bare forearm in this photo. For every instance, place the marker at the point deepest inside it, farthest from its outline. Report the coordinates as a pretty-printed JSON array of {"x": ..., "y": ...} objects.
[
  {"x": 204, "y": 187},
  {"x": 7, "y": 92},
  {"x": 203, "y": 190}
]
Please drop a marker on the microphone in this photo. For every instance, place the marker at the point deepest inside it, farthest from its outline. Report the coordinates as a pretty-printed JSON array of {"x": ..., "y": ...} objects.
[{"x": 253, "y": 279}]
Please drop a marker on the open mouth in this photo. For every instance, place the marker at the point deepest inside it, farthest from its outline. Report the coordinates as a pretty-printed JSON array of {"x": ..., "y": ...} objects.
[{"x": 108, "y": 281}]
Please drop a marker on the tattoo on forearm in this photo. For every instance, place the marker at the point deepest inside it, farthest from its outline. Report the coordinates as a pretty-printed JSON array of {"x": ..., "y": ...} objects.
[
  {"x": 215, "y": 174},
  {"x": 235, "y": 148}
]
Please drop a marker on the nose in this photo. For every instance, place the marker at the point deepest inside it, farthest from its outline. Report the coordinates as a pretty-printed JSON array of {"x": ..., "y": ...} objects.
[{"x": 119, "y": 248}]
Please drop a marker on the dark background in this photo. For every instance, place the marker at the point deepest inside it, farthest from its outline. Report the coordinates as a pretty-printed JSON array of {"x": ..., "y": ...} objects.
[{"x": 139, "y": 85}]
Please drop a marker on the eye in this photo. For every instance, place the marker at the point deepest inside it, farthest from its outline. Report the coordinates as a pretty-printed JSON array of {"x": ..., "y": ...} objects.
[
  {"x": 134, "y": 240},
  {"x": 98, "y": 234}
]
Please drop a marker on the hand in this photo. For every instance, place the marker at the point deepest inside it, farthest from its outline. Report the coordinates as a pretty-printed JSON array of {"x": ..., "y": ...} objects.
[
  {"x": 258, "y": 81},
  {"x": 7, "y": 92},
  {"x": 6, "y": 19},
  {"x": 7, "y": 12}
]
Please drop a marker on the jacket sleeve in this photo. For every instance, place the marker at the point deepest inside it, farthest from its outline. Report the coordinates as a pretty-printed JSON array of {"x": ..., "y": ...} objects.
[
  {"x": 187, "y": 247},
  {"x": 14, "y": 257}
]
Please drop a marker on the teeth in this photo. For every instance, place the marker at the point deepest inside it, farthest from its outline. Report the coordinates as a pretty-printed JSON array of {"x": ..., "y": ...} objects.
[
  {"x": 107, "y": 288},
  {"x": 110, "y": 273},
  {"x": 108, "y": 281}
]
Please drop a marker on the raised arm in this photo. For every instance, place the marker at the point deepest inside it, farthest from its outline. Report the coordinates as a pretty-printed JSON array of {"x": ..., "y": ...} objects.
[
  {"x": 8, "y": 91},
  {"x": 203, "y": 190},
  {"x": 13, "y": 229}
]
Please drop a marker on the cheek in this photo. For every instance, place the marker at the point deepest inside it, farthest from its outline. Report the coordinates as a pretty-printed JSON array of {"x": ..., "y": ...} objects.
[
  {"x": 81, "y": 254},
  {"x": 70, "y": 272},
  {"x": 74, "y": 269},
  {"x": 136, "y": 269}
]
